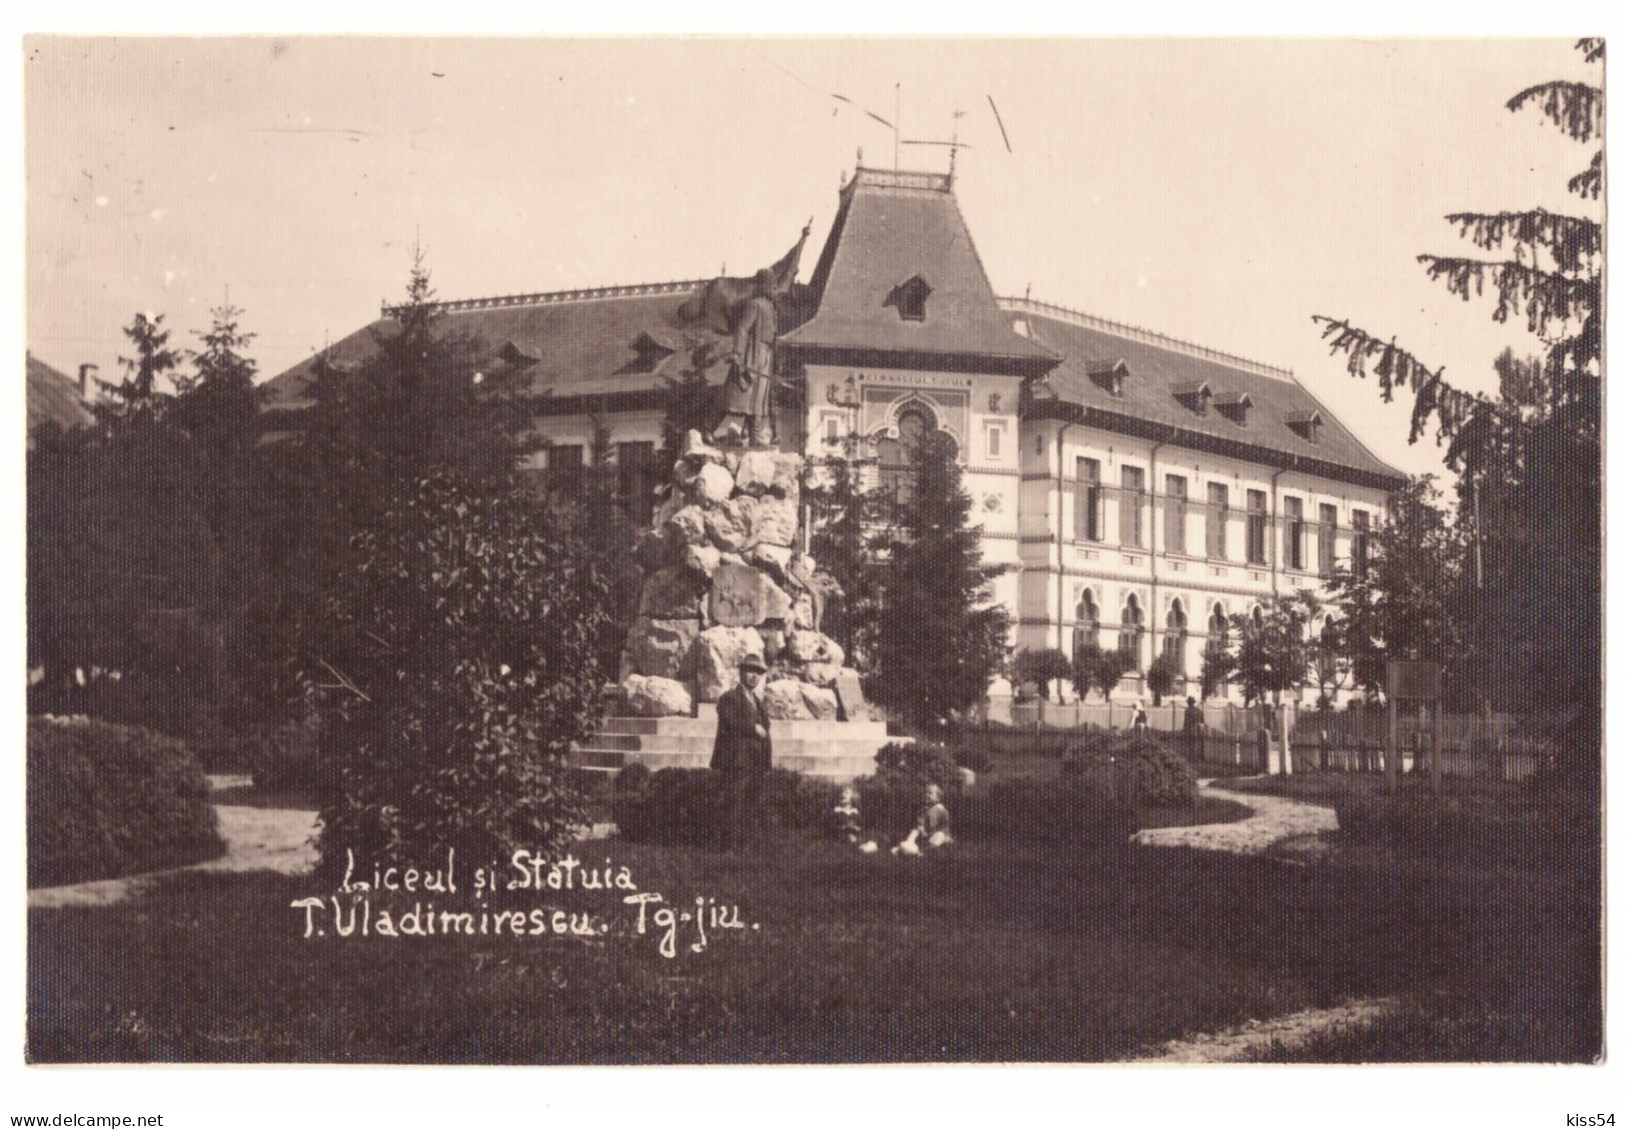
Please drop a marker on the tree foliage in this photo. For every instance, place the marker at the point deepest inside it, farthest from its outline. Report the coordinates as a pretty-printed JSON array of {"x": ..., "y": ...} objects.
[
  {"x": 1096, "y": 669},
  {"x": 939, "y": 637},
  {"x": 843, "y": 515},
  {"x": 457, "y": 663},
  {"x": 1408, "y": 603},
  {"x": 1042, "y": 667}
]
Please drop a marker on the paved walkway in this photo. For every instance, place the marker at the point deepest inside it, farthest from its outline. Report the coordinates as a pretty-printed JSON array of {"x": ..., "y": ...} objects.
[{"x": 1276, "y": 823}]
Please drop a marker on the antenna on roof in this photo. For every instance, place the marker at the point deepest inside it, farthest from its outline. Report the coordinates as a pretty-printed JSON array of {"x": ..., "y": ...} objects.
[{"x": 953, "y": 146}]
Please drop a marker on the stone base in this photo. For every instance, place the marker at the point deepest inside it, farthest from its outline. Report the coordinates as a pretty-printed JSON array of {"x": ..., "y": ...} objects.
[{"x": 829, "y": 750}]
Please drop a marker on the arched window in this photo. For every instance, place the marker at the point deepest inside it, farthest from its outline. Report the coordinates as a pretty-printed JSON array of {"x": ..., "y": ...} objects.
[
  {"x": 1173, "y": 643},
  {"x": 1087, "y": 631},
  {"x": 1132, "y": 627},
  {"x": 916, "y": 423}
]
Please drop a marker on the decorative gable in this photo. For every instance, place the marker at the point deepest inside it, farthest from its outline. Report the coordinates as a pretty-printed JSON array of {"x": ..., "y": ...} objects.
[{"x": 909, "y": 298}]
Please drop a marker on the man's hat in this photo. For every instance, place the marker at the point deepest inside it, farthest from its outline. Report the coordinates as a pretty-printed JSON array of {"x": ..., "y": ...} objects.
[{"x": 752, "y": 662}]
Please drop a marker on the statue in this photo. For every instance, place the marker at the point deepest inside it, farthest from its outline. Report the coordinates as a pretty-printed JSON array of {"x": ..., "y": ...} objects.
[{"x": 748, "y": 392}]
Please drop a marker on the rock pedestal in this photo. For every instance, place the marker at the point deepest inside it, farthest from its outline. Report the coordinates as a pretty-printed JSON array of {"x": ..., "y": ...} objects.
[{"x": 725, "y": 575}]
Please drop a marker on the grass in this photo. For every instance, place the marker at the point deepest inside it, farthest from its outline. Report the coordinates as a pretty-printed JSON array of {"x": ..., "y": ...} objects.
[{"x": 992, "y": 951}]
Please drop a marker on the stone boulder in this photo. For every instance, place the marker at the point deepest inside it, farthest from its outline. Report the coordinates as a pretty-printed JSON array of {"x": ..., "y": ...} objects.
[
  {"x": 770, "y": 472},
  {"x": 775, "y": 521},
  {"x": 715, "y": 658},
  {"x": 773, "y": 560},
  {"x": 728, "y": 524},
  {"x": 656, "y": 697},
  {"x": 742, "y": 596},
  {"x": 671, "y": 593},
  {"x": 702, "y": 559},
  {"x": 658, "y": 647},
  {"x": 713, "y": 485},
  {"x": 783, "y": 701},
  {"x": 811, "y": 647},
  {"x": 821, "y": 674},
  {"x": 791, "y": 700},
  {"x": 696, "y": 450},
  {"x": 687, "y": 525}
]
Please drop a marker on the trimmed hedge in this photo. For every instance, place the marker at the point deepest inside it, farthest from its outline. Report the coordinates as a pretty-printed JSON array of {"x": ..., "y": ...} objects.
[{"x": 109, "y": 800}]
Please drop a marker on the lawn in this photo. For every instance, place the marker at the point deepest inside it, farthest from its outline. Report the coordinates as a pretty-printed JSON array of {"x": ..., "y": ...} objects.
[{"x": 993, "y": 951}]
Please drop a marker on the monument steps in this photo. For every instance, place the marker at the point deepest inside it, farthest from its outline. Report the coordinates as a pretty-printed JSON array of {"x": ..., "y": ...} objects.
[{"x": 830, "y": 750}]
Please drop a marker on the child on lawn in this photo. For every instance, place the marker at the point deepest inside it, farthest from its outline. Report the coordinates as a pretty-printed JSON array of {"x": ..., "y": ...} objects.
[{"x": 932, "y": 830}]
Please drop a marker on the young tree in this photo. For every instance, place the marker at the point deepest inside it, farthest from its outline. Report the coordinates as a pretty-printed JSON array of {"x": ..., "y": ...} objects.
[
  {"x": 939, "y": 638},
  {"x": 1159, "y": 679},
  {"x": 1218, "y": 665},
  {"x": 1093, "y": 668},
  {"x": 1272, "y": 647},
  {"x": 1043, "y": 667},
  {"x": 1545, "y": 561},
  {"x": 842, "y": 515},
  {"x": 1408, "y": 602}
]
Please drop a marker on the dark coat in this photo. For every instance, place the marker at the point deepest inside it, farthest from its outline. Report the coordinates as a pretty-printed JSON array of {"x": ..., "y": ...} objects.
[{"x": 738, "y": 744}]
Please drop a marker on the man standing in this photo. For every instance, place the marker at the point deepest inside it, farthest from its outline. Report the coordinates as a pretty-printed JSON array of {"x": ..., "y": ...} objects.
[{"x": 743, "y": 753}]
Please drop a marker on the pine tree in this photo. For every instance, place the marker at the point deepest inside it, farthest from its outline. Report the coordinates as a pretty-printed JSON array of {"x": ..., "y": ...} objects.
[
  {"x": 939, "y": 638},
  {"x": 1536, "y": 617}
]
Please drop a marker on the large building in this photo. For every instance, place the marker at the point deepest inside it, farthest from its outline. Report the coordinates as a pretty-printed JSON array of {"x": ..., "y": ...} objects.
[{"x": 1141, "y": 489}]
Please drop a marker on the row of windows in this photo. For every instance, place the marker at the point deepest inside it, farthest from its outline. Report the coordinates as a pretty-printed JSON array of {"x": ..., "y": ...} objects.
[{"x": 1089, "y": 520}]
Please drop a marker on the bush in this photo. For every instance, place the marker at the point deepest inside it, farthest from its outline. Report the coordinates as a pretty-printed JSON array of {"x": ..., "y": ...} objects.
[
  {"x": 921, "y": 761},
  {"x": 459, "y": 665},
  {"x": 684, "y": 806},
  {"x": 1067, "y": 811},
  {"x": 286, "y": 757},
  {"x": 109, "y": 800},
  {"x": 1157, "y": 776}
]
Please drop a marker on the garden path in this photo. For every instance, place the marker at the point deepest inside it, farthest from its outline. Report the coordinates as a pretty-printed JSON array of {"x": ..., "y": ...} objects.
[{"x": 1277, "y": 825}]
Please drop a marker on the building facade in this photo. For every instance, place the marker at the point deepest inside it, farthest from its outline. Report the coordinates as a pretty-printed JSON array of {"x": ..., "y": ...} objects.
[{"x": 1140, "y": 490}]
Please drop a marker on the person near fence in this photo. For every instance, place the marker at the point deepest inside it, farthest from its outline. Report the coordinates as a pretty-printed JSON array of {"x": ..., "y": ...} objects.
[
  {"x": 742, "y": 754},
  {"x": 1141, "y": 720},
  {"x": 1193, "y": 719}
]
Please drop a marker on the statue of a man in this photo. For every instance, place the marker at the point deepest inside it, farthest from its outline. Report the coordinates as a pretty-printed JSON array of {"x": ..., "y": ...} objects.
[{"x": 748, "y": 393}]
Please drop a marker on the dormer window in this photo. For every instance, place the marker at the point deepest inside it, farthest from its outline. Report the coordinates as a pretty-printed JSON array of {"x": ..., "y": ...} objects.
[
  {"x": 1108, "y": 375},
  {"x": 1233, "y": 406},
  {"x": 1306, "y": 424},
  {"x": 1196, "y": 395},
  {"x": 651, "y": 350},
  {"x": 909, "y": 298},
  {"x": 517, "y": 355}
]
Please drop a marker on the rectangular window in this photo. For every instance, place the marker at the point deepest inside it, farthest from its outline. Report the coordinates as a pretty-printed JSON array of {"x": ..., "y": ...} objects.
[
  {"x": 1295, "y": 533},
  {"x": 995, "y": 442},
  {"x": 1328, "y": 539},
  {"x": 1130, "y": 508},
  {"x": 1173, "y": 515},
  {"x": 1257, "y": 528},
  {"x": 1086, "y": 501},
  {"x": 832, "y": 429},
  {"x": 635, "y": 482},
  {"x": 564, "y": 469},
  {"x": 1218, "y": 521},
  {"x": 1360, "y": 549}
]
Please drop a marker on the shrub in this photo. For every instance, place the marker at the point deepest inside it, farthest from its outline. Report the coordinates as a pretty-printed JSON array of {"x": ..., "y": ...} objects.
[
  {"x": 683, "y": 806},
  {"x": 921, "y": 761},
  {"x": 1156, "y": 776},
  {"x": 977, "y": 760},
  {"x": 286, "y": 757},
  {"x": 1067, "y": 811},
  {"x": 1041, "y": 668},
  {"x": 459, "y": 665},
  {"x": 109, "y": 800}
]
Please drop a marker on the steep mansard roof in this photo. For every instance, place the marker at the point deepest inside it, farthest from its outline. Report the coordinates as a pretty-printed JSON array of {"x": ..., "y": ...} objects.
[{"x": 895, "y": 230}]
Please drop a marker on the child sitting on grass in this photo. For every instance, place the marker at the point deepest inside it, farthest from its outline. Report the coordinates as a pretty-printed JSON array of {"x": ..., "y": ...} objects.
[{"x": 932, "y": 829}]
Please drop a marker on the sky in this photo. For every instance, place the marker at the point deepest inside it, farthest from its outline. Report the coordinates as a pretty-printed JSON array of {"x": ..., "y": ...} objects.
[{"x": 1219, "y": 191}]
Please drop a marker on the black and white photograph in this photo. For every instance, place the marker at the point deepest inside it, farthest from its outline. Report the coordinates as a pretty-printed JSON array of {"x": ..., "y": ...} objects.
[{"x": 787, "y": 551}]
